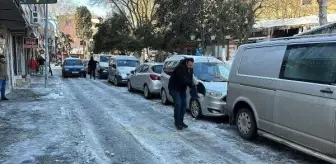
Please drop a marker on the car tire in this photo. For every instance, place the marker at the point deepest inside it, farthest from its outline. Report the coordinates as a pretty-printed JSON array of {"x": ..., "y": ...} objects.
[
  {"x": 146, "y": 92},
  {"x": 115, "y": 81},
  {"x": 164, "y": 97},
  {"x": 195, "y": 108},
  {"x": 129, "y": 86},
  {"x": 246, "y": 124}
]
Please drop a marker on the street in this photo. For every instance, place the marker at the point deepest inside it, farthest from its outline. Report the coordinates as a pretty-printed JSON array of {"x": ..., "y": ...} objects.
[{"x": 78, "y": 120}]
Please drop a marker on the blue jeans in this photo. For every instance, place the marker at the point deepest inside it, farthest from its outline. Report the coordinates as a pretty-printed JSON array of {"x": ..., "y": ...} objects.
[
  {"x": 180, "y": 104},
  {"x": 3, "y": 88}
]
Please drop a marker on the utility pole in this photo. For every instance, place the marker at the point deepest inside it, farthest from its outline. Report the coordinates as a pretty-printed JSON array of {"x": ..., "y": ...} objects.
[{"x": 46, "y": 45}]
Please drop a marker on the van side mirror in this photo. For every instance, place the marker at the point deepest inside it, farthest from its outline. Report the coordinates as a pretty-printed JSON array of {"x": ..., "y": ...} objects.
[{"x": 132, "y": 72}]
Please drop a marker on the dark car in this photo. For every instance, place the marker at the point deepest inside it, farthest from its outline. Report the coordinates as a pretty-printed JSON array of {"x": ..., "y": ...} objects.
[{"x": 73, "y": 67}]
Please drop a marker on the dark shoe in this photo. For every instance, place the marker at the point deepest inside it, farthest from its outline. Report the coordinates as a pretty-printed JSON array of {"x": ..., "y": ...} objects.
[
  {"x": 178, "y": 127},
  {"x": 5, "y": 98},
  {"x": 184, "y": 125}
]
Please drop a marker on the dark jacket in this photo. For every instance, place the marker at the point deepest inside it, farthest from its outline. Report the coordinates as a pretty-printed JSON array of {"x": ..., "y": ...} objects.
[
  {"x": 92, "y": 64},
  {"x": 41, "y": 61},
  {"x": 181, "y": 78}
]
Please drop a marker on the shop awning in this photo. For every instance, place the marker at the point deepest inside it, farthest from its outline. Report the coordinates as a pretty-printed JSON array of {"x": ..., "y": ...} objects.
[{"x": 11, "y": 15}]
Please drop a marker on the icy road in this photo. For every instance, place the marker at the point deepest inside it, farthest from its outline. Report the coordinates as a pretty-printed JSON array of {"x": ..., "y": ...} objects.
[{"x": 79, "y": 120}]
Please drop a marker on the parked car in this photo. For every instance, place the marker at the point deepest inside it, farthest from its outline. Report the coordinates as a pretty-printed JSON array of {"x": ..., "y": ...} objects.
[
  {"x": 146, "y": 78},
  {"x": 85, "y": 64},
  {"x": 120, "y": 67},
  {"x": 285, "y": 90},
  {"x": 73, "y": 67},
  {"x": 212, "y": 89},
  {"x": 102, "y": 65}
]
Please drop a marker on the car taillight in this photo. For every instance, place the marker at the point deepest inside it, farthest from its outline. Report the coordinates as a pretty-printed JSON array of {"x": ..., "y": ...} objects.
[{"x": 154, "y": 77}]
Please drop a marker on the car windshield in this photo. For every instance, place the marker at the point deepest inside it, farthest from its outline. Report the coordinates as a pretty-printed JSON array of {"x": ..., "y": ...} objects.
[
  {"x": 73, "y": 62},
  {"x": 127, "y": 63},
  {"x": 104, "y": 58},
  {"x": 211, "y": 72},
  {"x": 157, "y": 68}
]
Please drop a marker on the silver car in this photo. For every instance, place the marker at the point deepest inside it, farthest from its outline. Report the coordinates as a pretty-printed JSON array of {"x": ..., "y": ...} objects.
[
  {"x": 146, "y": 78},
  {"x": 119, "y": 68},
  {"x": 212, "y": 89}
]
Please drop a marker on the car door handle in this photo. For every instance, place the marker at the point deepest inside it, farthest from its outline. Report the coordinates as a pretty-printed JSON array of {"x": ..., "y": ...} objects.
[{"x": 327, "y": 90}]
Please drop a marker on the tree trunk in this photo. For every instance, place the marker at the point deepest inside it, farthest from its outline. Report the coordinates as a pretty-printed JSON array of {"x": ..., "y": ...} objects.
[{"x": 323, "y": 11}]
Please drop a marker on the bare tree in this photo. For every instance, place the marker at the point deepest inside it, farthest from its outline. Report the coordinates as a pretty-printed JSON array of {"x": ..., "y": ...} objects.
[
  {"x": 138, "y": 12},
  {"x": 63, "y": 7},
  {"x": 323, "y": 11}
]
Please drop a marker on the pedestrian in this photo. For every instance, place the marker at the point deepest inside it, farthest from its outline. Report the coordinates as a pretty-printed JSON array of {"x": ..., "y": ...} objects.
[
  {"x": 50, "y": 70},
  {"x": 181, "y": 78},
  {"x": 41, "y": 64},
  {"x": 92, "y": 67},
  {"x": 33, "y": 66},
  {"x": 3, "y": 77}
]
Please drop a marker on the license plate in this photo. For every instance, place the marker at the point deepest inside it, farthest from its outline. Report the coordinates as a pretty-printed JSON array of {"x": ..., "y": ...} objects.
[{"x": 75, "y": 72}]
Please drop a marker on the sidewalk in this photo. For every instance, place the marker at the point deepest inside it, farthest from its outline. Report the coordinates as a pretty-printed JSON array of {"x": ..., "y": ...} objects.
[{"x": 34, "y": 124}]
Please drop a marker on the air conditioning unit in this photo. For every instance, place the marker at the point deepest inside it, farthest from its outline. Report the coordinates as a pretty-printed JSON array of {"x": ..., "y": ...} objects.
[{"x": 35, "y": 18}]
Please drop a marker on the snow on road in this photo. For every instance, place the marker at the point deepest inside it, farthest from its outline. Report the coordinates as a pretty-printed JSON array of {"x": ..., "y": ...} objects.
[{"x": 80, "y": 120}]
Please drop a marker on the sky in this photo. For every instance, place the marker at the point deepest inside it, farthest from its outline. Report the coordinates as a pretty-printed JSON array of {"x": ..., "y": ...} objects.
[{"x": 98, "y": 10}]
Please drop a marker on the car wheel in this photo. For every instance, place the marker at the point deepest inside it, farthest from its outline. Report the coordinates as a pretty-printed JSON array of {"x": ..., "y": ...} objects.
[
  {"x": 129, "y": 86},
  {"x": 146, "y": 92},
  {"x": 115, "y": 81},
  {"x": 164, "y": 98},
  {"x": 246, "y": 124},
  {"x": 195, "y": 108}
]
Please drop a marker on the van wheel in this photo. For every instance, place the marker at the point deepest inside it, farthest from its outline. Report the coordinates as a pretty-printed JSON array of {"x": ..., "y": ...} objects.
[
  {"x": 246, "y": 124},
  {"x": 195, "y": 108},
  {"x": 164, "y": 98}
]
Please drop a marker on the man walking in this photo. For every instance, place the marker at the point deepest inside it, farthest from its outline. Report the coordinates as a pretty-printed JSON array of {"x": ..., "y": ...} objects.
[
  {"x": 92, "y": 67},
  {"x": 181, "y": 78},
  {"x": 41, "y": 64},
  {"x": 3, "y": 77}
]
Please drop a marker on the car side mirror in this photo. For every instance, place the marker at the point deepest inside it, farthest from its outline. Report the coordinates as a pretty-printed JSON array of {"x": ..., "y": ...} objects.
[
  {"x": 61, "y": 65},
  {"x": 132, "y": 72}
]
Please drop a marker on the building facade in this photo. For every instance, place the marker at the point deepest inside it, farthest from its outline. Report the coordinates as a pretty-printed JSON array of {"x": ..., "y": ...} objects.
[
  {"x": 16, "y": 23},
  {"x": 67, "y": 25}
]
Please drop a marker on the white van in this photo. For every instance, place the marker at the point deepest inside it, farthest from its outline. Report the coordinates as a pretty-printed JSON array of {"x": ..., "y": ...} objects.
[
  {"x": 285, "y": 90},
  {"x": 212, "y": 89}
]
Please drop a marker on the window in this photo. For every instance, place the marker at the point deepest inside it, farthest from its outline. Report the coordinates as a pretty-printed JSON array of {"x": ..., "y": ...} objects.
[
  {"x": 127, "y": 63},
  {"x": 262, "y": 61},
  {"x": 314, "y": 63},
  {"x": 211, "y": 72},
  {"x": 170, "y": 66},
  {"x": 144, "y": 69},
  {"x": 68, "y": 22},
  {"x": 73, "y": 62},
  {"x": 157, "y": 68},
  {"x": 138, "y": 68},
  {"x": 104, "y": 58}
]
